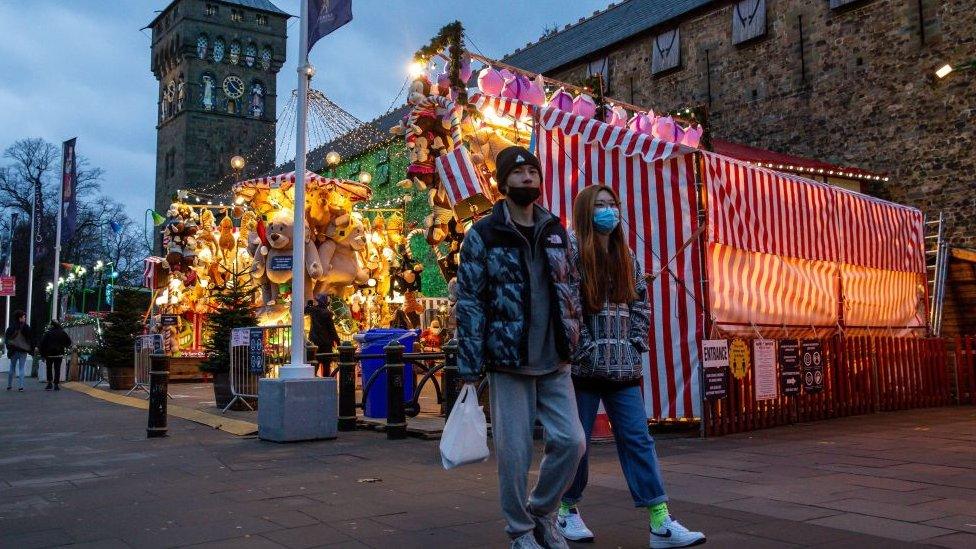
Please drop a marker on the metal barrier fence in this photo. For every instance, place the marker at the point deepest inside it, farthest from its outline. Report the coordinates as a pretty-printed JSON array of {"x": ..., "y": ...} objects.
[
  {"x": 255, "y": 353},
  {"x": 965, "y": 371},
  {"x": 145, "y": 346},
  {"x": 861, "y": 375},
  {"x": 395, "y": 357}
]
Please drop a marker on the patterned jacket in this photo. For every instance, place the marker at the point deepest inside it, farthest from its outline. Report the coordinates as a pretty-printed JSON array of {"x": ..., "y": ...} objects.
[
  {"x": 493, "y": 301},
  {"x": 612, "y": 340}
]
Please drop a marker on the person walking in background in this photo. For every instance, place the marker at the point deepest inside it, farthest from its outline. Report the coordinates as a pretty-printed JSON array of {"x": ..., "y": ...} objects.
[
  {"x": 614, "y": 334},
  {"x": 518, "y": 318},
  {"x": 322, "y": 331},
  {"x": 52, "y": 347},
  {"x": 20, "y": 344}
]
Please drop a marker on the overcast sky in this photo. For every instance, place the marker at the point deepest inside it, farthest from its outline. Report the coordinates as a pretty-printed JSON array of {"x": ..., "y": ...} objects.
[{"x": 81, "y": 68}]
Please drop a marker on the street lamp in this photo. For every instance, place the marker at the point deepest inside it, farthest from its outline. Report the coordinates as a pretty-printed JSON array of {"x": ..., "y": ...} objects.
[{"x": 365, "y": 178}]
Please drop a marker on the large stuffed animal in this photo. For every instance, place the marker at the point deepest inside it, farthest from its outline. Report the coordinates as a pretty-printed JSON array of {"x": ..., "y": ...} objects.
[
  {"x": 340, "y": 255},
  {"x": 277, "y": 262}
]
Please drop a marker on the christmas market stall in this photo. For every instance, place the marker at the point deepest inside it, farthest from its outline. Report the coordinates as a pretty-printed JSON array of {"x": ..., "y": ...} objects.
[{"x": 733, "y": 250}]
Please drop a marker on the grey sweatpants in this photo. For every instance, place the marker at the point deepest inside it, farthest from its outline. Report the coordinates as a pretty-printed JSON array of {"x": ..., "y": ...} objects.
[{"x": 516, "y": 402}]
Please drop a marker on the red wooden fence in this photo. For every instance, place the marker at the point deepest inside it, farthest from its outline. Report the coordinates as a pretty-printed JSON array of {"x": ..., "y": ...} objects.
[{"x": 862, "y": 375}]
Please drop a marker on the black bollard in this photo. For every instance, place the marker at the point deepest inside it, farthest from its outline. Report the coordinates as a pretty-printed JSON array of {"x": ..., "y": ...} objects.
[
  {"x": 347, "y": 386},
  {"x": 396, "y": 417},
  {"x": 451, "y": 379},
  {"x": 158, "y": 389}
]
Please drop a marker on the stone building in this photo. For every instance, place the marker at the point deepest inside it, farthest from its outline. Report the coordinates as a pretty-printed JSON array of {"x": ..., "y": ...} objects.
[
  {"x": 846, "y": 81},
  {"x": 216, "y": 62}
]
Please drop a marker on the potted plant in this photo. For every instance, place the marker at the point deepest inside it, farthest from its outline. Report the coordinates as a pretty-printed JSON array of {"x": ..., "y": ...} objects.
[
  {"x": 115, "y": 348},
  {"x": 232, "y": 308}
]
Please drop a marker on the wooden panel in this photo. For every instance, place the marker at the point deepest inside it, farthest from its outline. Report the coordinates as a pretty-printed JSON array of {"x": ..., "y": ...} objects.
[
  {"x": 748, "y": 20},
  {"x": 666, "y": 51}
]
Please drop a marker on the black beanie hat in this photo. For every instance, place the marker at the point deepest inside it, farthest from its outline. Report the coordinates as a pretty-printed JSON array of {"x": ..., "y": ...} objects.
[{"x": 509, "y": 159}]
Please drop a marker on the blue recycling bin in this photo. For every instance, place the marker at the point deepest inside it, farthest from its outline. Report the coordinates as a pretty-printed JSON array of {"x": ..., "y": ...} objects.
[{"x": 373, "y": 342}]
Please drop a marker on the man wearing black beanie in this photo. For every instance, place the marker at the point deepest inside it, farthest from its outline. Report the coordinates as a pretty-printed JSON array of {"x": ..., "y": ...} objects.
[{"x": 518, "y": 319}]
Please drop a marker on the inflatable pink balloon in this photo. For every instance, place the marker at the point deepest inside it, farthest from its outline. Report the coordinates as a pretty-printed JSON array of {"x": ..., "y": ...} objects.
[
  {"x": 465, "y": 69},
  {"x": 617, "y": 116},
  {"x": 692, "y": 136},
  {"x": 642, "y": 122},
  {"x": 535, "y": 92},
  {"x": 515, "y": 86},
  {"x": 506, "y": 74},
  {"x": 561, "y": 100},
  {"x": 679, "y": 133},
  {"x": 490, "y": 81},
  {"x": 663, "y": 128},
  {"x": 584, "y": 106}
]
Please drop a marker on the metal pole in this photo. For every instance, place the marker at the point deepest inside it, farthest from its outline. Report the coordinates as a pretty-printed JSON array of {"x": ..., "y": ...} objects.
[
  {"x": 298, "y": 369},
  {"x": 158, "y": 386},
  {"x": 396, "y": 418},
  {"x": 30, "y": 261},
  {"x": 347, "y": 386},
  {"x": 57, "y": 242}
]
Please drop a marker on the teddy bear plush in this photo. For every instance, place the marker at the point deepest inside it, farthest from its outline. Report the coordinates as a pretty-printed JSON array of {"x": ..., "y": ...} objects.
[
  {"x": 277, "y": 271},
  {"x": 340, "y": 255},
  {"x": 205, "y": 233},
  {"x": 226, "y": 241},
  {"x": 323, "y": 206}
]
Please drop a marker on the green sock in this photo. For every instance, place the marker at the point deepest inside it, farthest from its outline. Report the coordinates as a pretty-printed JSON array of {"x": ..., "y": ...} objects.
[
  {"x": 565, "y": 507},
  {"x": 659, "y": 513}
]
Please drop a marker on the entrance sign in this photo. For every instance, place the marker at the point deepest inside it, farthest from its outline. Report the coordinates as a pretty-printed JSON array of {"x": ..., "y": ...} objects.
[{"x": 715, "y": 363}]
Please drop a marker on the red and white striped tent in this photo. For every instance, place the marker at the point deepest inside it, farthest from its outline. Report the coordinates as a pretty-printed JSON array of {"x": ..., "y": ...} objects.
[{"x": 780, "y": 251}]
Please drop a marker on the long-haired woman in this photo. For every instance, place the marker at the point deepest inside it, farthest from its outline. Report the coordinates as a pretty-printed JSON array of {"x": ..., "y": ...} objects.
[{"x": 608, "y": 366}]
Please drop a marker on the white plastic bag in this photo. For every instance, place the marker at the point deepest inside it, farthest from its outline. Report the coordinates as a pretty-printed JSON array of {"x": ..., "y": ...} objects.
[{"x": 465, "y": 437}]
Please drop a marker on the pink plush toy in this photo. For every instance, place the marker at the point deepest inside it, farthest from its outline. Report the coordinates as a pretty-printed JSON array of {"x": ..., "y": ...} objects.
[
  {"x": 515, "y": 86},
  {"x": 617, "y": 116},
  {"x": 490, "y": 81},
  {"x": 642, "y": 122},
  {"x": 465, "y": 69},
  {"x": 535, "y": 92},
  {"x": 561, "y": 100},
  {"x": 584, "y": 106},
  {"x": 663, "y": 128},
  {"x": 692, "y": 136}
]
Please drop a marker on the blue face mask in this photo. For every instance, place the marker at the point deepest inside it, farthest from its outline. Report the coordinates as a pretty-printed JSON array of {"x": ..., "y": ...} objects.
[{"x": 605, "y": 220}]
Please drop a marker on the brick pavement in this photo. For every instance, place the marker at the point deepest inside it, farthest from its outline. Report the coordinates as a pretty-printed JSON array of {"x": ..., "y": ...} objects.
[{"x": 76, "y": 470}]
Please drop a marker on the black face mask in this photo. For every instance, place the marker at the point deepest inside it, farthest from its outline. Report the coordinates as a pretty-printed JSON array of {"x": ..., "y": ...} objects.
[{"x": 523, "y": 196}]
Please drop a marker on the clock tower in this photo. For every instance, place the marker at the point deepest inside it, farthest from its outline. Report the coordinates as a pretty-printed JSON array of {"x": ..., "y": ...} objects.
[{"x": 216, "y": 62}]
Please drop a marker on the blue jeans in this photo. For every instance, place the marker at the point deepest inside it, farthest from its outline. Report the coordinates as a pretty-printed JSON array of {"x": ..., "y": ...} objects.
[
  {"x": 17, "y": 358},
  {"x": 638, "y": 459}
]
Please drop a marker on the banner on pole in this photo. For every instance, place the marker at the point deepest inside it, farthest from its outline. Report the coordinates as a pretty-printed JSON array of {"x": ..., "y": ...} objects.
[
  {"x": 8, "y": 286},
  {"x": 325, "y": 16},
  {"x": 36, "y": 219},
  {"x": 69, "y": 201}
]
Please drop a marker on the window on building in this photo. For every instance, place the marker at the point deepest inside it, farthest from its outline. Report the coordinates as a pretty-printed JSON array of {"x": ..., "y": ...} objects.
[
  {"x": 262, "y": 19},
  {"x": 236, "y": 16},
  {"x": 211, "y": 10},
  {"x": 600, "y": 67}
]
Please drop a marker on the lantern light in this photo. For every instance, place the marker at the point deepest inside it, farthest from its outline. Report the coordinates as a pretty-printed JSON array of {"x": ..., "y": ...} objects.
[
  {"x": 237, "y": 162},
  {"x": 332, "y": 158},
  {"x": 416, "y": 69},
  {"x": 365, "y": 178}
]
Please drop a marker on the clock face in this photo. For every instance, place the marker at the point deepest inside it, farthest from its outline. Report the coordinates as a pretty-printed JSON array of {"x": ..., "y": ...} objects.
[{"x": 233, "y": 87}]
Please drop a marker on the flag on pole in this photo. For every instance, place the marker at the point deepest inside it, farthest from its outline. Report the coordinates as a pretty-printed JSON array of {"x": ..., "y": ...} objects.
[
  {"x": 69, "y": 202},
  {"x": 325, "y": 16}
]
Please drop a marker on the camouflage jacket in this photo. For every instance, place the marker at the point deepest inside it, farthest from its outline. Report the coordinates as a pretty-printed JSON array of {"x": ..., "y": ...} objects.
[
  {"x": 612, "y": 340},
  {"x": 493, "y": 305}
]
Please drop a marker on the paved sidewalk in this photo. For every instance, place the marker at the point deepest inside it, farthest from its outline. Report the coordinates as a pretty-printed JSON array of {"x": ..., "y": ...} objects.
[{"x": 77, "y": 470}]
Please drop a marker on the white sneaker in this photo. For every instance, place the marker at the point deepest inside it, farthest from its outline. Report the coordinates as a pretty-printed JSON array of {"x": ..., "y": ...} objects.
[
  {"x": 572, "y": 527},
  {"x": 673, "y": 534}
]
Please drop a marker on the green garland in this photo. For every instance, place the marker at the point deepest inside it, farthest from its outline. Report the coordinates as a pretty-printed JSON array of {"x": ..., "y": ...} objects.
[{"x": 451, "y": 38}]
